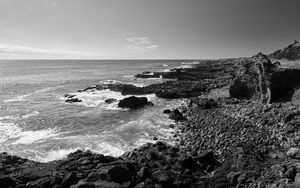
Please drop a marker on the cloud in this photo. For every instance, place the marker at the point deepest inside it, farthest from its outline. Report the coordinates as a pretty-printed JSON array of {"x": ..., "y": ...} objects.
[
  {"x": 140, "y": 44},
  {"x": 52, "y": 2},
  {"x": 19, "y": 49}
]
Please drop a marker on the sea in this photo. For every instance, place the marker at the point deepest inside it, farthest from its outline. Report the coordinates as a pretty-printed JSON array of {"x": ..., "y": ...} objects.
[{"x": 36, "y": 122}]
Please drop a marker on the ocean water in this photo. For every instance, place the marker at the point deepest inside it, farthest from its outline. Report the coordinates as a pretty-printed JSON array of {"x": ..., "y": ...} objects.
[{"x": 36, "y": 123}]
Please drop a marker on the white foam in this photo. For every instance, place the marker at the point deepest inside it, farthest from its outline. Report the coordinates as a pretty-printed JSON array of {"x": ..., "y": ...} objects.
[
  {"x": 23, "y": 97},
  {"x": 190, "y": 63},
  {"x": 143, "y": 141},
  {"x": 60, "y": 153},
  {"x": 184, "y": 67},
  {"x": 7, "y": 117},
  {"x": 109, "y": 82},
  {"x": 165, "y": 65},
  {"x": 53, "y": 155},
  {"x": 29, "y": 137},
  {"x": 109, "y": 149},
  {"x": 18, "y": 98},
  {"x": 8, "y": 130},
  {"x": 98, "y": 97},
  {"x": 167, "y": 70},
  {"x": 31, "y": 114}
]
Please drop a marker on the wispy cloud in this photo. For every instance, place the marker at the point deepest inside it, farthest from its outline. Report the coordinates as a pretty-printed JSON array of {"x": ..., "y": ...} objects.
[
  {"x": 52, "y": 2},
  {"x": 20, "y": 49},
  {"x": 140, "y": 44}
]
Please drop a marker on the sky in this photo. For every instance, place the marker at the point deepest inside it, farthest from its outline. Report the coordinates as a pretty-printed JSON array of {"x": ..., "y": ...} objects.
[{"x": 145, "y": 29}]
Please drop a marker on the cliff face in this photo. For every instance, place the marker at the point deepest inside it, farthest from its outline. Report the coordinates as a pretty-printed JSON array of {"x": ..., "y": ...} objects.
[
  {"x": 257, "y": 78},
  {"x": 252, "y": 78},
  {"x": 291, "y": 52}
]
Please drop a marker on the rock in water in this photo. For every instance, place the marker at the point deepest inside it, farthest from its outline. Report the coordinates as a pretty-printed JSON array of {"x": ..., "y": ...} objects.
[
  {"x": 134, "y": 102},
  {"x": 110, "y": 100},
  {"x": 71, "y": 100}
]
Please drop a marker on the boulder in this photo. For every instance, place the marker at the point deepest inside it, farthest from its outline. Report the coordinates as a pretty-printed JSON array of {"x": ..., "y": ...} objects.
[
  {"x": 290, "y": 173},
  {"x": 133, "y": 102},
  {"x": 69, "y": 179},
  {"x": 257, "y": 78},
  {"x": 176, "y": 115},
  {"x": 167, "y": 111},
  {"x": 203, "y": 103},
  {"x": 293, "y": 152},
  {"x": 163, "y": 178},
  {"x": 296, "y": 97},
  {"x": 7, "y": 182},
  {"x": 252, "y": 79},
  {"x": 72, "y": 100},
  {"x": 207, "y": 157},
  {"x": 118, "y": 172}
]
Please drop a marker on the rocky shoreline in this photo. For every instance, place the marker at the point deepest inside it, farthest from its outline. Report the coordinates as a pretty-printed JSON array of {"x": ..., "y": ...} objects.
[{"x": 240, "y": 129}]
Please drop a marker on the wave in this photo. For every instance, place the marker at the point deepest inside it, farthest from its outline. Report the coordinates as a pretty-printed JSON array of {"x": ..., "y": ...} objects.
[
  {"x": 184, "y": 67},
  {"x": 7, "y": 117},
  {"x": 165, "y": 65},
  {"x": 109, "y": 82},
  {"x": 52, "y": 155},
  {"x": 8, "y": 130},
  {"x": 11, "y": 131},
  {"x": 29, "y": 137},
  {"x": 111, "y": 149},
  {"x": 190, "y": 63},
  {"x": 31, "y": 114},
  {"x": 167, "y": 70},
  {"x": 18, "y": 98},
  {"x": 23, "y": 97},
  {"x": 104, "y": 148}
]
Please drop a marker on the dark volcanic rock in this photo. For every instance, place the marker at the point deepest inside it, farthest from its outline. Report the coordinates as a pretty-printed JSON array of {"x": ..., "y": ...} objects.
[
  {"x": 252, "y": 79},
  {"x": 133, "y": 102},
  {"x": 109, "y": 101},
  {"x": 7, "y": 182},
  {"x": 72, "y": 100},
  {"x": 125, "y": 89},
  {"x": 176, "y": 115},
  {"x": 70, "y": 179},
  {"x": 284, "y": 83},
  {"x": 167, "y": 111},
  {"x": 291, "y": 52},
  {"x": 69, "y": 96},
  {"x": 148, "y": 75},
  {"x": 296, "y": 96},
  {"x": 258, "y": 78},
  {"x": 203, "y": 103}
]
